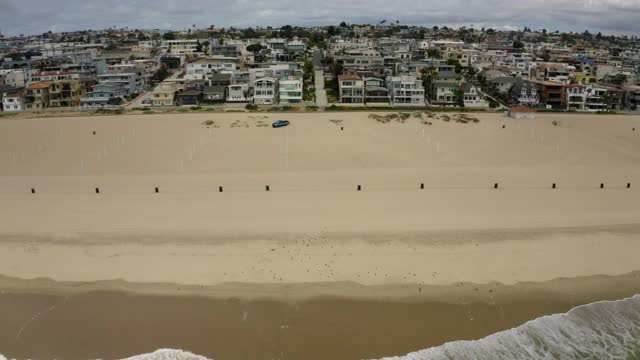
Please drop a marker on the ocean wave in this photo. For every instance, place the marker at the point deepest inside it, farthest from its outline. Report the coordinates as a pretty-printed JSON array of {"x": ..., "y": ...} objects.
[
  {"x": 601, "y": 330},
  {"x": 167, "y": 354}
]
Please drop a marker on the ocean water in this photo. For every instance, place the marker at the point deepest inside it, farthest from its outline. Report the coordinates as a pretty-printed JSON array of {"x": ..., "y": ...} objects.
[{"x": 601, "y": 330}]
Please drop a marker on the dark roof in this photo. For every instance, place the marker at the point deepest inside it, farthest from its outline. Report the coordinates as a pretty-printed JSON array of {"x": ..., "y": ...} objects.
[
  {"x": 190, "y": 93},
  {"x": 504, "y": 80},
  {"x": 213, "y": 89},
  {"x": 465, "y": 87}
]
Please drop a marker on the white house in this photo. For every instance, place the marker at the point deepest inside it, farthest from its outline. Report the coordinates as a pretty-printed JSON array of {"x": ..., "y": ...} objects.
[
  {"x": 238, "y": 93},
  {"x": 472, "y": 97},
  {"x": 265, "y": 91},
  {"x": 200, "y": 69},
  {"x": 576, "y": 97}
]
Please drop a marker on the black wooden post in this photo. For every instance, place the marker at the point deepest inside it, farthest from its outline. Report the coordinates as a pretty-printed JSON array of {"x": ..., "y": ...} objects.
[
  {"x": 97, "y": 190},
  {"x": 267, "y": 188},
  {"x": 220, "y": 188},
  {"x": 553, "y": 186},
  {"x": 628, "y": 185},
  {"x": 33, "y": 190},
  {"x": 359, "y": 187},
  {"x": 422, "y": 186},
  {"x": 601, "y": 185},
  {"x": 157, "y": 190},
  {"x": 495, "y": 186}
]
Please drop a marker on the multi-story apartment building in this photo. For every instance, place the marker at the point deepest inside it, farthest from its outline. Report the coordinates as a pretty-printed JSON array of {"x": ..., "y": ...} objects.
[
  {"x": 552, "y": 94},
  {"x": 127, "y": 80},
  {"x": 36, "y": 96},
  {"x": 66, "y": 93},
  {"x": 53, "y": 76},
  {"x": 351, "y": 89},
  {"x": 227, "y": 50},
  {"x": 187, "y": 47},
  {"x": 405, "y": 89}
]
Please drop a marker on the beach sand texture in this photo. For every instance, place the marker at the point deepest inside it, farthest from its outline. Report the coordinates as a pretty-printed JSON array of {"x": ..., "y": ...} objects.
[{"x": 428, "y": 227}]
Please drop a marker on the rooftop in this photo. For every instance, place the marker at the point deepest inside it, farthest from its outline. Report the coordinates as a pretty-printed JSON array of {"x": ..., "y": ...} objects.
[
  {"x": 53, "y": 73},
  {"x": 40, "y": 85},
  {"x": 349, "y": 77}
]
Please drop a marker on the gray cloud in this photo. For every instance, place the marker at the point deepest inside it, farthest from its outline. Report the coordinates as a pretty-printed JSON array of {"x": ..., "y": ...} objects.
[{"x": 37, "y": 16}]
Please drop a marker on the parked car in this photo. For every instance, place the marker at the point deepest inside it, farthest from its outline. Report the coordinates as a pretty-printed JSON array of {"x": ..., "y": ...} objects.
[{"x": 280, "y": 123}]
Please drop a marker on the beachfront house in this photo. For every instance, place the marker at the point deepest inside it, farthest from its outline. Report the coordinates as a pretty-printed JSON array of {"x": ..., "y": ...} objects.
[
  {"x": 405, "y": 90},
  {"x": 576, "y": 97},
  {"x": 13, "y": 101},
  {"x": 265, "y": 91},
  {"x": 351, "y": 89},
  {"x": 189, "y": 98},
  {"x": 376, "y": 91},
  {"x": 472, "y": 96},
  {"x": 290, "y": 91},
  {"x": 214, "y": 94},
  {"x": 238, "y": 93}
]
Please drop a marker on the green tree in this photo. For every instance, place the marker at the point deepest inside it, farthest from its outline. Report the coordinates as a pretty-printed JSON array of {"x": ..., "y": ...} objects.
[
  {"x": 456, "y": 63},
  {"x": 460, "y": 97},
  {"x": 160, "y": 75},
  {"x": 517, "y": 44},
  {"x": 433, "y": 53},
  {"x": 428, "y": 76},
  {"x": 255, "y": 48},
  {"x": 308, "y": 68},
  {"x": 169, "y": 35}
]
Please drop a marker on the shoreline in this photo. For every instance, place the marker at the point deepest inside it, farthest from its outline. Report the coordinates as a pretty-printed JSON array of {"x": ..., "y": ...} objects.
[
  {"x": 109, "y": 323},
  {"x": 310, "y": 267},
  {"x": 584, "y": 288}
]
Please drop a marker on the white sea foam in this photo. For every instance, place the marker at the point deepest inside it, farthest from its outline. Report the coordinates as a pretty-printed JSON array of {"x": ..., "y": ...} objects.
[
  {"x": 601, "y": 330},
  {"x": 167, "y": 354}
]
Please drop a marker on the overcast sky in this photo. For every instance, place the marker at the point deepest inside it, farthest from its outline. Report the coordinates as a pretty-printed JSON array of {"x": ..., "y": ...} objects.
[{"x": 38, "y": 16}]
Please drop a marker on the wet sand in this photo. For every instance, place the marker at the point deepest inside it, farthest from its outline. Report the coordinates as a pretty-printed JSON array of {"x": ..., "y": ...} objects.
[{"x": 114, "y": 324}]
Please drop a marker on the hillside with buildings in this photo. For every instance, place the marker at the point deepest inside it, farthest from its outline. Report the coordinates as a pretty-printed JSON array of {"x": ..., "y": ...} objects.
[{"x": 382, "y": 65}]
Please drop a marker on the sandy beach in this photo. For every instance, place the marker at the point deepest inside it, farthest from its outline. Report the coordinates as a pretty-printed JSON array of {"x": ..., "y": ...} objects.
[{"x": 428, "y": 251}]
